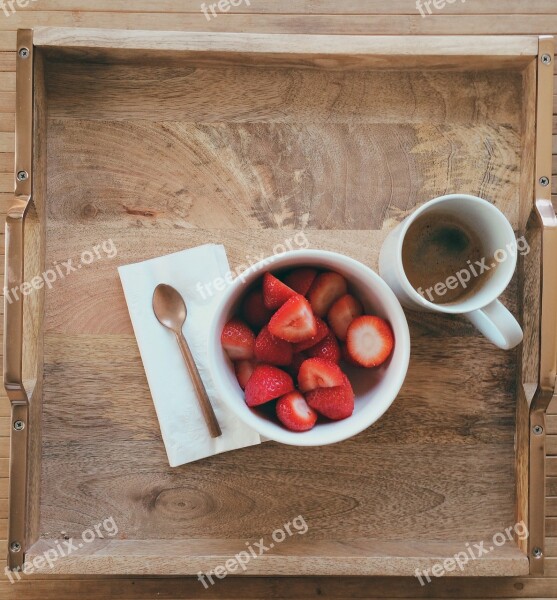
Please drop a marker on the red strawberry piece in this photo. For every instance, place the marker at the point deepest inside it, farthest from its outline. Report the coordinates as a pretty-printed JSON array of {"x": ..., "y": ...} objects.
[
  {"x": 326, "y": 289},
  {"x": 294, "y": 413},
  {"x": 243, "y": 370},
  {"x": 322, "y": 331},
  {"x": 297, "y": 359},
  {"x": 275, "y": 293},
  {"x": 267, "y": 383},
  {"x": 347, "y": 358},
  {"x": 318, "y": 372},
  {"x": 369, "y": 341},
  {"x": 254, "y": 310},
  {"x": 300, "y": 280},
  {"x": 335, "y": 403},
  {"x": 272, "y": 350},
  {"x": 238, "y": 340},
  {"x": 294, "y": 321},
  {"x": 342, "y": 313},
  {"x": 327, "y": 348}
]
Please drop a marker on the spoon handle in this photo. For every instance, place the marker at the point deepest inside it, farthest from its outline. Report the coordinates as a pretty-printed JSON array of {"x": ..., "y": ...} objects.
[{"x": 201, "y": 392}]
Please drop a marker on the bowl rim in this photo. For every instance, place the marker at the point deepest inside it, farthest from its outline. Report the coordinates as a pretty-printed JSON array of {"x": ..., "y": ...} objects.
[{"x": 271, "y": 430}]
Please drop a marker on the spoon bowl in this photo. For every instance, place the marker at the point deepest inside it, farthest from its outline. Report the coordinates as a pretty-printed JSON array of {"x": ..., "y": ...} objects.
[{"x": 169, "y": 307}]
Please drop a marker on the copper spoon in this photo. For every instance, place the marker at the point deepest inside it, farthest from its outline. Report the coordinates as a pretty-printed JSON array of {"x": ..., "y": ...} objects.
[{"x": 170, "y": 309}]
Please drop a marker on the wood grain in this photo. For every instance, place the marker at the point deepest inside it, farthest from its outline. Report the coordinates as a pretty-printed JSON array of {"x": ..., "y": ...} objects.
[{"x": 491, "y": 11}]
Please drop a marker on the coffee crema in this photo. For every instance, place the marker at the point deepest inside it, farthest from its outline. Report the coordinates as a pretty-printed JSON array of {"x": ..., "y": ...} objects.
[{"x": 436, "y": 248}]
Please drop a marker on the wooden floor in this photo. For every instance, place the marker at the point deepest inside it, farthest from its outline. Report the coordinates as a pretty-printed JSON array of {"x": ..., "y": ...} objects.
[{"x": 290, "y": 16}]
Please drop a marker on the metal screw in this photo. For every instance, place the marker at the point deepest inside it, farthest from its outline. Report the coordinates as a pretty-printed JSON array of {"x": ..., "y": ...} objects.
[
  {"x": 546, "y": 59},
  {"x": 22, "y": 175},
  {"x": 537, "y": 552},
  {"x": 537, "y": 429},
  {"x": 24, "y": 52},
  {"x": 19, "y": 425},
  {"x": 544, "y": 181},
  {"x": 15, "y": 547}
]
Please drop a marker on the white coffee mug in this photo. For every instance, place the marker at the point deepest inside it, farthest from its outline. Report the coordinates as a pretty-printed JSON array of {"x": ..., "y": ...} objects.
[{"x": 481, "y": 306}]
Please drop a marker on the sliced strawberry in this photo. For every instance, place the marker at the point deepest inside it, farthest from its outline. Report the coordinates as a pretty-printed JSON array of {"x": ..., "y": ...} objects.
[
  {"x": 297, "y": 360},
  {"x": 326, "y": 289},
  {"x": 267, "y": 383},
  {"x": 254, "y": 310},
  {"x": 369, "y": 341},
  {"x": 244, "y": 370},
  {"x": 294, "y": 321},
  {"x": 322, "y": 331},
  {"x": 238, "y": 340},
  {"x": 318, "y": 372},
  {"x": 272, "y": 350},
  {"x": 275, "y": 293},
  {"x": 327, "y": 348},
  {"x": 335, "y": 403},
  {"x": 300, "y": 280},
  {"x": 342, "y": 313},
  {"x": 294, "y": 413}
]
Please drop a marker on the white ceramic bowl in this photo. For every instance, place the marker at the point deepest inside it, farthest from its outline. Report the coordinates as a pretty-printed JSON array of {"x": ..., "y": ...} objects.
[{"x": 375, "y": 389}]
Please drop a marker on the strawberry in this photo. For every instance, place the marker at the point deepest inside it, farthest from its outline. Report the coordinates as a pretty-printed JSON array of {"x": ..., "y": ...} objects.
[
  {"x": 318, "y": 372},
  {"x": 272, "y": 350},
  {"x": 327, "y": 348},
  {"x": 267, "y": 383},
  {"x": 297, "y": 359},
  {"x": 275, "y": 293},
  {"x": 254, "y": 310},
  {"x": 369, "y": 341},
  {"x": 294, "y": 321},
  {"x": 342, "y": 313},
  {"x": 346, "y": 357},
  {"x": 238, "y": 340},
  {"x": 322, "y": 331},
  {"x": 335, "y": 403},
  {"x": 300, "y": 280},
  {"x": 243, "y": 370},
  {"x": 325, "y": 290},
  {"x": 294, "y": 413}
]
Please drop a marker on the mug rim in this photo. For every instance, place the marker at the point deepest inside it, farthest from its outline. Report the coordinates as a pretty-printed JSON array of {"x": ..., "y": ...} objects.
[{"x": 456, "y": 308}]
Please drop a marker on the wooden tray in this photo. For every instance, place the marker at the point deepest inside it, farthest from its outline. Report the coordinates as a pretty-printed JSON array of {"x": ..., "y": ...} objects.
[{"x": 163, "y": 141}]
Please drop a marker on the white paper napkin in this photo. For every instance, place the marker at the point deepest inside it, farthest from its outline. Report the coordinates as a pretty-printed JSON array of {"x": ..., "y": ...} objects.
[{"x": 183, "y": 428}]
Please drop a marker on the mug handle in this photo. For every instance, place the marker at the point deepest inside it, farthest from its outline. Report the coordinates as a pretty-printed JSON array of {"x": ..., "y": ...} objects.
[{"x": 497, "y": 324}]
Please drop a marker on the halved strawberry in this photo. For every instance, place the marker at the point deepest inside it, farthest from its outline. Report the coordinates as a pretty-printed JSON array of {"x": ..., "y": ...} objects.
[
  {"x": 318, "y": 372},
  {"x": 238, "y": 340},
  {"x": 272, "y": 350},
  {"x": 325, "y": 290},
  {"x": 300, "y": 280},
  {"x": 294, "y": 321},
  {"x": 342, "y": 313},
  {"x": 294, "y": 413},
  {"x": 275, "y": 293},
  {"x": 322, "y": 331},
  {"x": 369, "y": 341},
  {"x": 244, "y": 370},
  {"x": 335, "y": 403},
  {"x": 254, "y": 310},
  {"x": 327, "y": 348},
  {"x": 267, "y": 383}
]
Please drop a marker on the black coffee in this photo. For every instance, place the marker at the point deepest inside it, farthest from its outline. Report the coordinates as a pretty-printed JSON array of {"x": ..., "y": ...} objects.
[{"x": 440, "y": 256}]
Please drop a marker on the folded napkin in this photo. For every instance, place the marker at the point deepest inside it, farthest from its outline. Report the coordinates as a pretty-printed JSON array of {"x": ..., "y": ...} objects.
[{"x": 183, "y": 428}]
